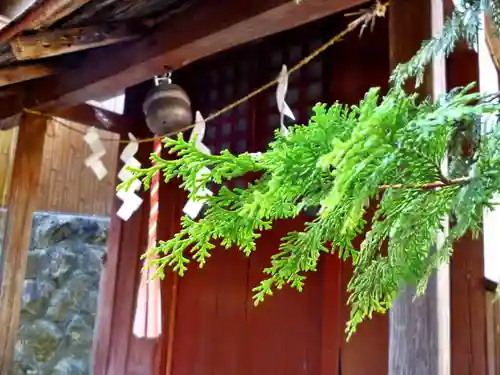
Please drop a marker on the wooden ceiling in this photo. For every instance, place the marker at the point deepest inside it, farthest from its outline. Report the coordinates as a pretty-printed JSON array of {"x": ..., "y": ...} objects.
[
  {"x": 60, "y": 53},
  {"x": 51, "y": 28}
]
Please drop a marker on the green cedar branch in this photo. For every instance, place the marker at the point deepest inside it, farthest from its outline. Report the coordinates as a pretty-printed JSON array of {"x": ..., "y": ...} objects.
[{"x": 386, "y": 150}]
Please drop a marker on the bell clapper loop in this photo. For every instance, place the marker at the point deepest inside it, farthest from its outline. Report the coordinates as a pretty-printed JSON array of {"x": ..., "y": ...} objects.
[{"x": 165, "y": 77}]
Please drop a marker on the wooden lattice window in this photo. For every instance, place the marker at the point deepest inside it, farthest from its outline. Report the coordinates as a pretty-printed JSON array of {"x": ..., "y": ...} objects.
[
  {"x": 306, "y": 87},
  {"x": 219, "y": 82},
  {"x": 222, "y": 79},
  {"x": 232, "y": 130},
  {"x": 215, "y": 82}
]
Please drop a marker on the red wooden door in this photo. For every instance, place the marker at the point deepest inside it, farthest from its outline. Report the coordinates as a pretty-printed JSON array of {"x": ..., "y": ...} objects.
[{"x": 217, "y": 330}]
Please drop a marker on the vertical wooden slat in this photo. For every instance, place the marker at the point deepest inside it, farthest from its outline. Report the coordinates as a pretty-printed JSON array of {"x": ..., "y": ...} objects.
[
  {"x": 66, "y": 184},
  {"x": 116, "y": 350},
  {"x": 285, "y": 332},
  {"x": 468, "y": 310},
  {"x": 22, "y": 203},
  {"x": 130, "y": 355},
  {"x": 107, "y": 292},
  {"x": 170, "y": 210},
  {"x": 127, "y": 281},
  {"x": 490, "y": 333},
  {"x": 108, "y": 295},
  {"x": 496, "y": 332},
  {"x": 467, "y": 329},
  {"x": 8, "y": 140},
  {"x": 419, "y": 329},
  {"x": 331, "y": 327},
  {"x": 468, "y": 323}
]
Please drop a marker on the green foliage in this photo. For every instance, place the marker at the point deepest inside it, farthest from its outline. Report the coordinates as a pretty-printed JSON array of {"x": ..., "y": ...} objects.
[
  {"x": 463, "y": 25},
  {"x": 340, "y": 162}
]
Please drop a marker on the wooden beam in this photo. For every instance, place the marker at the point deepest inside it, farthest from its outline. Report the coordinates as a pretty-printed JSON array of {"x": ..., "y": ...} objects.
[
  {"x": 84, "y": 114},
  {"x": 89, "y": 115},
  {"x": 419, "y": 334},
  {"x": 208, "y": 28},
  {"x": 22, "y": 202},
  {"x": 62, "y": 41},
  {"x": 15, "y": 74}
]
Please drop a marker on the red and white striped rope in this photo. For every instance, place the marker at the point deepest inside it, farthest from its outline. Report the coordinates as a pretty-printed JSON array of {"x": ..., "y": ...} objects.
[
  {"x": 147, "y": 321},
  {"x": 154, "y": 201}
]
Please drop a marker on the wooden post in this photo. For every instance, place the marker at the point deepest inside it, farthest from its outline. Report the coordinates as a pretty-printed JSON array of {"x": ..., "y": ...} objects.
[
  {"x": 469, "y": 308},
  {"x": 22, "y": 203},
  {"x": 419, "y": 334},
  {"x": 116, "y": 350},
  {"x": 117, "y": 287}
]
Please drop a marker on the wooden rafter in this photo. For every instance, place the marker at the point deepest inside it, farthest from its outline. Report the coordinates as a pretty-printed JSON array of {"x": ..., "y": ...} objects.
[
  {"x": 21, "y": 73},
  {"x": 62, "y": 41},
  {"x": 210, "y": 27}
]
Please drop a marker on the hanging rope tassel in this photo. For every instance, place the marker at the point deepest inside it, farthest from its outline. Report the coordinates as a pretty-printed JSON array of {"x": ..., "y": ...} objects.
[{"x": 147, "y": 322}]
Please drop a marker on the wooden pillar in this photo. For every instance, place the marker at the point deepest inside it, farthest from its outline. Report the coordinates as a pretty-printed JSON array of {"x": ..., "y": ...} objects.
[
  {"x": 419, "y": 335},
  {"x": 21, "y": 205},
  {"x": 468, "y": 295},
  {"x": 117, "y": 289},
  {"x": 116, "y": 350}
]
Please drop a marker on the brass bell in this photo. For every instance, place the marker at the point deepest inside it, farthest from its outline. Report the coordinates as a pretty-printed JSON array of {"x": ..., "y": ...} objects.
[{"x": 167, "y": 109}]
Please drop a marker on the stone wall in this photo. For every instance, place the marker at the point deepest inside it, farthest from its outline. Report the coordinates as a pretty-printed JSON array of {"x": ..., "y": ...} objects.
[{"x": 60, "y": 295}]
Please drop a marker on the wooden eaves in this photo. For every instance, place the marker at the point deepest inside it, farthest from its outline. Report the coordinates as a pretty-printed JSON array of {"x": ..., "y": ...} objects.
[{"x": 208, "y": 28}]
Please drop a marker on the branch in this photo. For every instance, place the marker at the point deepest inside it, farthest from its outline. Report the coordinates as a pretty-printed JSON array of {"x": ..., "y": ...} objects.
[{"x": 430, "y": 185}]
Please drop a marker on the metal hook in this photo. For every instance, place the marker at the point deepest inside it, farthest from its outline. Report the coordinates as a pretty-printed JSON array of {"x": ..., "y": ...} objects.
[{"x": 167, "y": 76}]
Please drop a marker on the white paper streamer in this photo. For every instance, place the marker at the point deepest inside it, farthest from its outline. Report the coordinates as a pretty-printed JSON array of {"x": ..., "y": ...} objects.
[
  {"x": 93, "y": 161},
  {"x": 283, "y": 107},
  {"x": 131, "y": 201},
  {"x": 193, "y": 207},
  {"x": 199, "y": 132}
]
